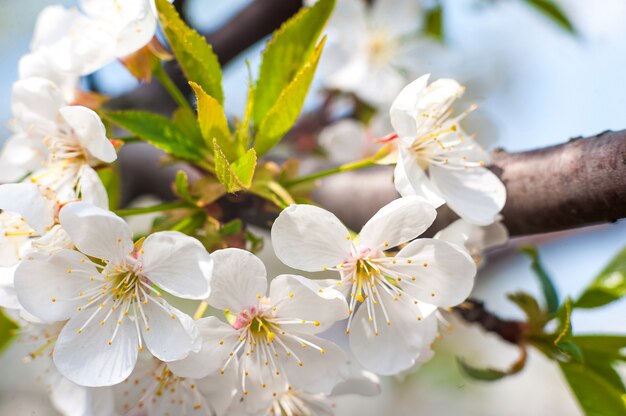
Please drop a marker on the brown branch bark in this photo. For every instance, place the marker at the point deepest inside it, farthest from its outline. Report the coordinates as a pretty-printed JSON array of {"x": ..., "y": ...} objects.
[
  {"x": 474, "y": 311},
  {"x": 574, "y": 184}
]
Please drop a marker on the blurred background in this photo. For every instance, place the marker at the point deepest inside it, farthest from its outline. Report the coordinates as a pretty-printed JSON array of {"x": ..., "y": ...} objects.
[{"x": 536, "y": 85}]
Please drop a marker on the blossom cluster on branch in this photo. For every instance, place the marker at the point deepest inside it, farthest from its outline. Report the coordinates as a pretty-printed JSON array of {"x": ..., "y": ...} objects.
[{"x": 102, "y": 305}]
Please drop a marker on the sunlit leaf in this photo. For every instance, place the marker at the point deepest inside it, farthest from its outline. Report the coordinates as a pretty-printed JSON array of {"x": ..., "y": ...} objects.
[
  {"x": 159, "y": 131},
  {"x": 608, "y": 286},
  {"x": 284, "y": 112},
  {"x": 237, "y": 175},
  {"x": 549, "y": 291},
  {"x": 194, "y": 55},
  {"x": 286, "y": 53}
]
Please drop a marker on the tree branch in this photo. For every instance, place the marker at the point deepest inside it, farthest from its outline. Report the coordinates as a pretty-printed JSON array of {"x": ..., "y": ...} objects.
[
  {"x": 574, "y": 184},
  {"x": 474, "y": 311}
]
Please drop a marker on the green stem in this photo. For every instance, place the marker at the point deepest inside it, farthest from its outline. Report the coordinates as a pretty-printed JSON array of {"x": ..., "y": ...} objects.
[
  {"x": 164, "y": 79},
  {"x": 154, "y": 208},
  {"x": 339, "y": 169}
]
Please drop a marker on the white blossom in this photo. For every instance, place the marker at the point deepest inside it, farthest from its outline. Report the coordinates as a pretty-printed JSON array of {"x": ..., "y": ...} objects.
[
  {"x": 389, "y": 296},
  {"x": 371, "y": 48},
  {"x": 57, "y": 142},
  {"x": 274, "y": 333},
  {"x": 153, "y": 389},
  {"x": 106, "y": 292},
  {"x": 437, "y": 160}
]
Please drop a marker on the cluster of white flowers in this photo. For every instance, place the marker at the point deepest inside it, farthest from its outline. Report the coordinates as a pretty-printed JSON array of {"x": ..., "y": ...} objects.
[{"x": 98, "y": 304}]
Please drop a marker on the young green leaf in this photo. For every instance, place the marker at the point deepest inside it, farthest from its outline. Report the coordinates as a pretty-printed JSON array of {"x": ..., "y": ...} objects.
[
  {"x": 214, "y": 125},
  {"x": 549, "y": 291},
  {"x": 608, "y": 286},
  {"x": 537, "y": 318},
  {"x": 159, "y": 131},
  {"x": 194, "y": 55},
  {"x": 596, "y": 394},
  {"x": 283, "y": 114},
  {"x": 554, "y": 12},
  {"x": 186, "y": 121},
  {"x": 490, "y": 374},
  {"x": 8, "y": 329},
  {"x": 286, "y": 53},
  {"x": 235, "y": 176},
  {"x": 181, "y": 186}
]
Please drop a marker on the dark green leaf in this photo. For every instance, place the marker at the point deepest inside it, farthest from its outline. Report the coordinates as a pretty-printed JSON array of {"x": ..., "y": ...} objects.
[
  {"x": 194, "y": 55},
  {"x": 549, "y": 291},
  {"x": 231, "y": 228},
  {"x": 284, "y": 112},
  {"x": 608, "y": 286},
  {"x": 286, "y": 53},
  {"x": 186, "y": 121},
  {"x": 158, "y": 131},
  {"x": 596, "y": 394},
  {"x": 554, "y": 12},
  {"x": 434, "y": 23}
]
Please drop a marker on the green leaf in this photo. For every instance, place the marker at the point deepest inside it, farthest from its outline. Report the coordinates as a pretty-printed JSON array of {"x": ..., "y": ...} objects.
[
  {"x": 283, "y": 114},
  {"x": 159, "y": 131},
  {"x": 112, "y": 183},
  {"x": 537, "y": 318},
  {"x": 608, "y": 286},
  {"x": 194, "y": 55},
  {"x": 186, "y": 121},
  {"x": 434, "y": 23},
  {"x": 235, "y": 176},
  {"x": 549, "y": 291},
  {"x": 286, "y": 53},
  {"x": 554, "y": 12},
  {"x": 8, "y": 330},
  {"x": 564, "y": 315},
  {"x": 231, "y": 228},
  {"x": 596, "y": 394},
  {"x": 491, "y": 374},
  {"x": 181, "y": 186},
  {"x": 609, "y": 345},
  {"x": 214, "y": 124}
]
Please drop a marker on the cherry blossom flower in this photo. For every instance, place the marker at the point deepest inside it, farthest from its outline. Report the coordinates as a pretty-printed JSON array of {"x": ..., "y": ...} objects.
[
  {"x": 432, "y": 141},
  {"x": 346, "y": 141},
  {"x": 389, "y": 296},
  {"x": 292, "y": 402},
  {"x": 153, "y": 389},
  {"x": 473, "y": 238},
  {"x": 106, "y": 292},
  {"x": 274, "y": 333},
  {"x": 370, "y": 49},
  {"x": 72, "y": 42},
  {"x": 58, "y": 143}
]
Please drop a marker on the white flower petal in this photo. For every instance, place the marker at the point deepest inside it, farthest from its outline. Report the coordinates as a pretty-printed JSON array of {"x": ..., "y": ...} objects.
[
  {"x": 397, "y": 345},
  {"x": 218, "y": 340},
  {"x": 35, "y": 102},
  {"x": 86, "y": 358},
  {"x": 309, "y": 238},
  {"x": 238, "y": 277},
  {"x": 169, "y": 333},
  {"x": 320, "y": 372},
  {"x": 27, "y": 200},
  {"x": 70, "y": 399},
  {"x": 444, "y": 274},
  {"x": 300, "y": 298},
  {"x": 8, "y": 295},
  {"x": 363, "y": 383},
  {"x": 50, "y": 287},
  {"x": 403, "y": 111},
  {"x": 97, "y": 232},
  {"x": 477, "y": 194},
  {"x": 89, "y": 131},
  {"x": 410, "y": 179},
  {"x": 91, "y": 188},
  {"x": 474, "y": 237},
  {"x": 177, "y": 263},
  {"x": 397, "y": 222},
  {"x": 344, "y": 141}
]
